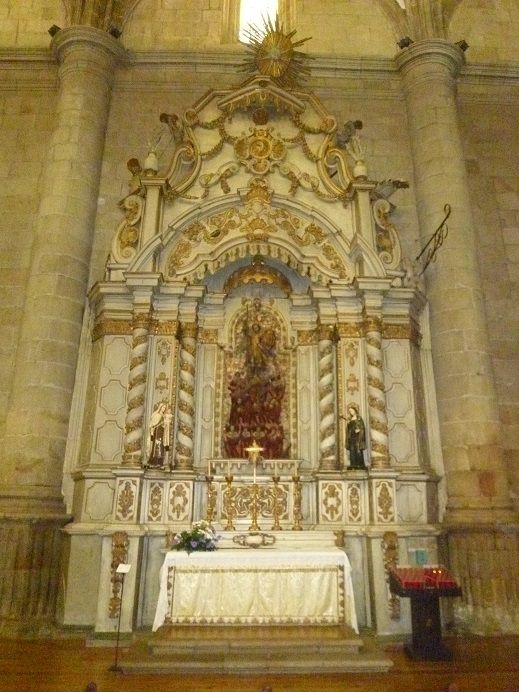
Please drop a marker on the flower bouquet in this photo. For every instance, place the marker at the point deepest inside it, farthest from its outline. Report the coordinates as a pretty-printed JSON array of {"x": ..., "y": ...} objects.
[{"x": 201, "y": 537}]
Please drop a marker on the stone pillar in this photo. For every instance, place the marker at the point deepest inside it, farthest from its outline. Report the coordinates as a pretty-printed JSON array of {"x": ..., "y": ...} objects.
[
  {"x": 470, "y": 430},
  {"x": 38, "y": 414},
  {"x": 477, "y": 484}
]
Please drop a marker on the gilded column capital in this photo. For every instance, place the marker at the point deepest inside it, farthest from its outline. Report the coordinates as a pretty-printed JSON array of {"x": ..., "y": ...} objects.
[
  {"x": 350, "y": 330},
  {"x": 428, "y": 59},
  {"x": 327, "y": 332},
  {"x": 373, "y": 324},
  {"x": 188, "y": 330},
  {"x": 165, "y": 327},
  {"x": 307, "y": 337},
  {"x": 105, "y": 327},
  {"x": 208, "y": 336}
]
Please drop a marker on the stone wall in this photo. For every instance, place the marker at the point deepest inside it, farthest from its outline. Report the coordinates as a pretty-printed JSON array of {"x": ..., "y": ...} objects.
[
  {"x": 26, "y": 119},
  {"x": 24, "y": 24},
  {"x": 492, "y": 155}
]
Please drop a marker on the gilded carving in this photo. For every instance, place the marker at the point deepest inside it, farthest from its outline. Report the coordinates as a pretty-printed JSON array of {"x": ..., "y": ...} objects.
[
  {"x": 385, "y": 505},
  {"x": 155, "y": 506},
  {"x": 340, "y": 538},
  {"x": 243, "y": 499},
  {"x": 387, "y": 242},
  {"x": 378, "y": 425},
  {"x": 348, "y": 330},
  {"x": 390, "y": 558},
  {"x": 183, "y": 428},
  {"x": 125, "y": 500},
  {"x": 332, "y": 501},
  {"x": 373, "y": 324},
  {"x": 163, "y": 350},
  {"x": 354, "y": 503},
  {"x": 259, "y": 191},
  {"x": 307, "y": 337},
  {"x": 215, "y": 228},
  {"x": 141, "y": 320},
  {"x": 258, "y": 273},
  {"x": 260, "y": 151},
  {"x": 178, "y": 501},
  {"x": 312, "y": 234},
  {"x": 178, "y": 257},
  {"x": 376, "y": 403},
  {"x": 208, "y": 336},
  {"x": 105, "y": 327},
  {"x": 351, "y": 350},
  {"x": 326, "y": 332},
  {"x": 273, "y": 53},
  {"x": 336, "y": 264},
  {"x": 188, "y": 330},
  {"x": 352, "y": 384},
  {"x": 162, "y": 382},
  {"x": 221, "y": 175},
  {"x": 120, "y": 545},
  {"x": 166, "y": 328}
]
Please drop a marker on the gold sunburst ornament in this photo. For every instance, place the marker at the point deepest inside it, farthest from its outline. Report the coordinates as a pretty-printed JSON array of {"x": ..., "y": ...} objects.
[{"x": 273, "y": 54}]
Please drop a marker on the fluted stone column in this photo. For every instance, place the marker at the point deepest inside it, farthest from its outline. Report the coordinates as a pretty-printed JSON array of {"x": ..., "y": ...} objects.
[
  {"x": 478, "y": 491},
  {"x": 470, "y": 431},
  {"x": 39, "y": 406}
]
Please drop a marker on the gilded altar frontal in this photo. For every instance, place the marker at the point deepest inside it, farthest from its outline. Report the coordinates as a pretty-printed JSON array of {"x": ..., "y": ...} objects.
[{"x": 263, "y": 277}]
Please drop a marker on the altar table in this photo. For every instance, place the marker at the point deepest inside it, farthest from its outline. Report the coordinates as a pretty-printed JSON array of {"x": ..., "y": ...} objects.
[{"x": 256, "y": 587}]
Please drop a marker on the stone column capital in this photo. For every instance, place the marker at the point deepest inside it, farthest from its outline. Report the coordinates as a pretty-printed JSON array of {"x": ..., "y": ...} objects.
[
  {"x": 429, "y": 59},
  {"x": 102, "y": 48}
]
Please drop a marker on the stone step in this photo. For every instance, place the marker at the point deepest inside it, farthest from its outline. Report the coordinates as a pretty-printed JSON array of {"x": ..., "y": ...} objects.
[
  {"x": 240, "y": 664},
  {"x": 254, "y": 650},
  {"x": 164, "y": 648}
]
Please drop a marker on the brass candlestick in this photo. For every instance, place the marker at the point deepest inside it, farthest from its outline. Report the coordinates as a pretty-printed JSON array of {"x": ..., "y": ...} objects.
[
  {"x": 297, "y": 503},
  {"x": 211, "y": 499},
  {"x": 254, "y": 508},
  {"x": 254, "y": 452},
  {"x": 229, "y": 504},
  {"x": 276, "y": 508}
]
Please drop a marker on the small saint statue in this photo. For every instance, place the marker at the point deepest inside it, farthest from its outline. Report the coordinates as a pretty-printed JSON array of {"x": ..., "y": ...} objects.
[
  {"x": 355, "y": 437},
  {"x": 158, "y": 436}
]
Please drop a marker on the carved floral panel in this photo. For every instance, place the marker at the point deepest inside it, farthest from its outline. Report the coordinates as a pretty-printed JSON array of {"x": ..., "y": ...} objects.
[
  {"x": 179, "y": 501},
  {"x": 332, "y": 501},
  {"x": 126, "y": 499}
]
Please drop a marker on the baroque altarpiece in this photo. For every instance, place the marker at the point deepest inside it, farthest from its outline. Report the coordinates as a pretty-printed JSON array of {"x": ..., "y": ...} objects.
[{"x": 256, "y": 290}]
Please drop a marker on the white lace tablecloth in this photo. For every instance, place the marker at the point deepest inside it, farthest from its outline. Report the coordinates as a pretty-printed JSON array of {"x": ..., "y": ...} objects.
[{"x": 256, "y": 587}]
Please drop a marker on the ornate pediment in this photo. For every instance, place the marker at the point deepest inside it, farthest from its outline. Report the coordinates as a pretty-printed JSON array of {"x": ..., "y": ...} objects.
[{"x": 260, "y": 164}]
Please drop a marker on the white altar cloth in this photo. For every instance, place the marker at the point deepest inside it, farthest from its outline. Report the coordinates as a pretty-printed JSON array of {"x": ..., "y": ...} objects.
[{"x": 256, "y": 587}]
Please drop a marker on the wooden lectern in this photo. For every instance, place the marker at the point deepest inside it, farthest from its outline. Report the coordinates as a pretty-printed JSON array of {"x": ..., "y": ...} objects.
[{"x": 425, "y": 586}]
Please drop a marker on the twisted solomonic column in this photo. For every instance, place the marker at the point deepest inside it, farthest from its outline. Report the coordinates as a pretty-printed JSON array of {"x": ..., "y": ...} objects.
[
  {"x": 134, "y": 426},
  {"x": 327, "y": 414},
  {"x": 376, "y": 395},
  {"x": 186, "y": 398}
]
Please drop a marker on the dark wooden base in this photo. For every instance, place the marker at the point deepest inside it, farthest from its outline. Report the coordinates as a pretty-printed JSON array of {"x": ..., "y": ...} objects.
[{"x": 438, "y": 652}]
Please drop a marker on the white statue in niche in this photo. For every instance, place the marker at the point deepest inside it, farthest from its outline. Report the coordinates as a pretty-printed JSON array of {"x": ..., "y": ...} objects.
[{"x": 159, "y": 433}]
